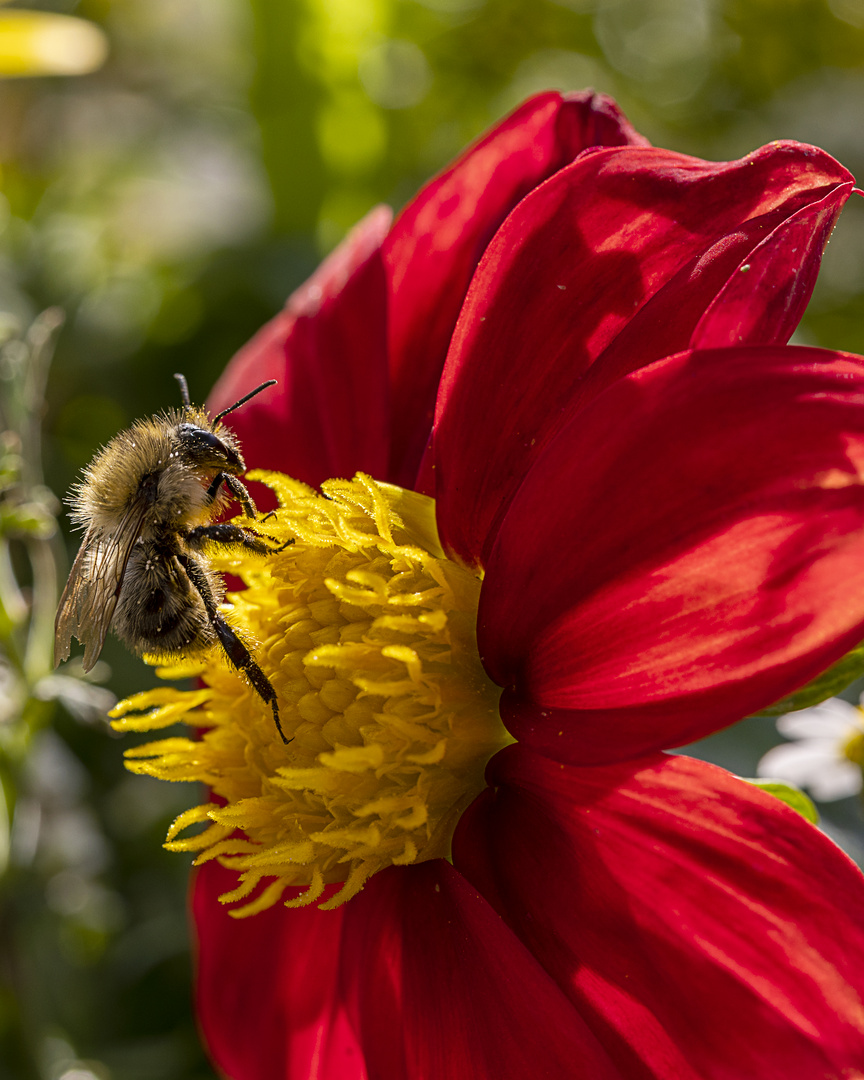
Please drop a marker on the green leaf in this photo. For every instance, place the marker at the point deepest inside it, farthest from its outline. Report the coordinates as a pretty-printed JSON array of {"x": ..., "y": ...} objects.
[
  {"x": 829, "y": 684},
  {"x": 789, "y": 794}
]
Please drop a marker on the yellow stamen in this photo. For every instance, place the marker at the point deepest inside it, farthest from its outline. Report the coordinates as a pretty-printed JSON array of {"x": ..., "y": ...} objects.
[
  {"x": 367, "y": 632},
  {"x": 853, "y": 748}
]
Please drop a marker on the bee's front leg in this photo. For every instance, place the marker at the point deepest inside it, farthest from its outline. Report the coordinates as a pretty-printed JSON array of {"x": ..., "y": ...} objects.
[{"x": 238, "y": 490}]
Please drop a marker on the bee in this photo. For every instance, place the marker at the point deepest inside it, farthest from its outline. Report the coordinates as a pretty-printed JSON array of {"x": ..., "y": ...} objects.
[{"x": 148, "y": 501}]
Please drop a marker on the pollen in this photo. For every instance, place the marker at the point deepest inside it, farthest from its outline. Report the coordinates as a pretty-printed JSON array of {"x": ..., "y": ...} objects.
[{"x": 367, "y": 633}]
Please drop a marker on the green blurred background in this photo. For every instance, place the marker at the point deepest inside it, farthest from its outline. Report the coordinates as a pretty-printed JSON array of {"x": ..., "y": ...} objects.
[{"x": 169, "y": 203}]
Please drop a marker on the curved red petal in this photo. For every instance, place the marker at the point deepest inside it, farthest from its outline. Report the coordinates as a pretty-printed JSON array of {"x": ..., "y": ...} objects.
[
  {"x": 704, "y": 930},
  {"x": 613, "y": 262},
  {"x": 781, "y": 271},
  {"x": 686, "y": 552},
  {"x": 438, "y": 239},
  {"x": 267, "y": 989},
  {"x": 440, "y": 988},
  {"x": 329, "y": 414}
]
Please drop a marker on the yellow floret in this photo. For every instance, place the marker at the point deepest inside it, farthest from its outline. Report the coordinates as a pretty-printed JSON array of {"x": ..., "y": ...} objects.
[{"x": 367, "y": 632}]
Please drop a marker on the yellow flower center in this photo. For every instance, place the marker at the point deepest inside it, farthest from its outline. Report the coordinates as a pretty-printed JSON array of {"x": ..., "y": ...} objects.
[
  {"x": 853, "y": 748},
  {"x": 367, "y": 632}
]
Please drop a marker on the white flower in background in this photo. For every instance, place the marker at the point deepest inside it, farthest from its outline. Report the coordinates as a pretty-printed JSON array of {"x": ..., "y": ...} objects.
[{"x": 826, "y": 753}]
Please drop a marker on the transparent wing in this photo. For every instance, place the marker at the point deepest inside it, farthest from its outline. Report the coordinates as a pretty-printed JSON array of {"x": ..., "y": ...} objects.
[
  {"x": 90, "y": 597},
  {"x": 66, "y": 623}
]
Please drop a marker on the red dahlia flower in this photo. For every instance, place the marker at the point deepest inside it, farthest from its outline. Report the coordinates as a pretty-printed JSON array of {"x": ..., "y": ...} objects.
[{"x": 649, "y": 523}]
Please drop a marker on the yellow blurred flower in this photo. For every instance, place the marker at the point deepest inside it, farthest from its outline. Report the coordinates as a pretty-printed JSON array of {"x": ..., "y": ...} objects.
[{"x": 41, "y": 43}]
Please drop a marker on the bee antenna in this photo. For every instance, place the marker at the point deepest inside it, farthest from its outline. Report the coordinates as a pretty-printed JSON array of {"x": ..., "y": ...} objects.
[
  {"x": 184, "y": 389},
  {"x": 243, "y": 400}
]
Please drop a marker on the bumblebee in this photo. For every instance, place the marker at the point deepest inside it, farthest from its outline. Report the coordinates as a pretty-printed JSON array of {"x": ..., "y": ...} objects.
[{"x": 148, "y": 501}]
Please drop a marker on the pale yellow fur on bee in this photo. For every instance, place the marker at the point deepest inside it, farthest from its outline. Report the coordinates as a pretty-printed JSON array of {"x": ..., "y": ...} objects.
[{"x": 112, "y": 479}]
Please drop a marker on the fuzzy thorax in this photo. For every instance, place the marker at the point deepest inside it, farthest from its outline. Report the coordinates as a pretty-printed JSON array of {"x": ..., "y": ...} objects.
[
  {"x": 367, "y": 632},
  {"x": 112, "y": 481}
]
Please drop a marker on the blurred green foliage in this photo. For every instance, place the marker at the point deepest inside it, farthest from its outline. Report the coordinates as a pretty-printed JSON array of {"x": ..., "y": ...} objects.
[{"x": 168, "y": 204}]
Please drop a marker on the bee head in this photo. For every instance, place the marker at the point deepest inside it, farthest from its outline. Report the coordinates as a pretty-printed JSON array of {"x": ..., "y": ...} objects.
[{"x": 201, "y": 448}]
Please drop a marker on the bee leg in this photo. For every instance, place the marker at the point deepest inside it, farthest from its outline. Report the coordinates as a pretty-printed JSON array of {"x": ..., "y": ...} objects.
[
  {"x": 242, "y": 659},
  {"x": 232, "y": 536},
  {"x": 232, "y": 646},
  {"x": 237, "y": 489}
]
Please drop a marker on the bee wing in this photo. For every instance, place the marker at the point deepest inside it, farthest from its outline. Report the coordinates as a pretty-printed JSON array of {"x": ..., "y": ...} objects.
[
  {"x": 66, "y": 622},
  {"x": 90, "y": 597}
]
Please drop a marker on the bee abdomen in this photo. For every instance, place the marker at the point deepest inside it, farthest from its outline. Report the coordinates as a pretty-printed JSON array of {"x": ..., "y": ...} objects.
[{"x": 158, "y": 610}]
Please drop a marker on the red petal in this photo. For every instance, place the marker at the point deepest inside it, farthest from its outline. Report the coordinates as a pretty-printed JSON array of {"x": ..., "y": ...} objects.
[
  {"x": 442, "y": 990},
  {"x": 438, "y": 239},
  {"x": 781, "y": 272},
  {"x": 267, "y": 996},
  {"x": 329, "y": 414},
  {"x": 614, "y": 262},
  {"x": 703, "y": 929},
  {"x": 687, "y": 551}
]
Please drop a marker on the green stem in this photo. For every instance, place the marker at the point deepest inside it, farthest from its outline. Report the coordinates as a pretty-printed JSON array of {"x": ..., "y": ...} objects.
[
  {"x": 13, "y": 608},
  {"x": 39, "y": 654}
]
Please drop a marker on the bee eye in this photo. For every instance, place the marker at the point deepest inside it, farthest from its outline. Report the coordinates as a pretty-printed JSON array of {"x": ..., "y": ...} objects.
[{"x": 200, "y": 443}]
